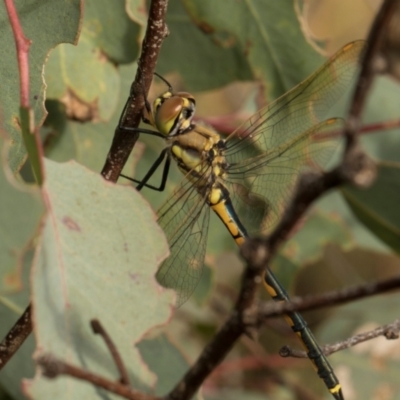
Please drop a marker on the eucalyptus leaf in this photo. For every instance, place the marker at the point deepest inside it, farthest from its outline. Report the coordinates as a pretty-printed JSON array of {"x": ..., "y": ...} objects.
[
  {"x": 377, "y": 206},
  {"x": 98, "y": 253},
  {"x": 42, "y": 26}
]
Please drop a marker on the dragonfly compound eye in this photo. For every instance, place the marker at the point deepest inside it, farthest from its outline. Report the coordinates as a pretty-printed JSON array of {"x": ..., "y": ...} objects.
[
  {"x": 166, "y": 115},
  {"x": 173, "y": 115},
  {"x": 187, "y": 113}
]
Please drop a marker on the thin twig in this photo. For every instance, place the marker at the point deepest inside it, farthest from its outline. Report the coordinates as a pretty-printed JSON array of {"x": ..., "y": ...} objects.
[
  {"x": 356, "y": 167},
  {"x": 52, "y": 368},
  {"x": 381, "y": 126},
  {"x": 242, "y": 319},
  {"x": 15, "y": 337},
  {"x": 124, "y": 140},
  {"x": 333, "y": 298},
  {"x": 390, "y": 331},
  {"x": 369, "y": 67},
  {"x": 98, "y": 329}
]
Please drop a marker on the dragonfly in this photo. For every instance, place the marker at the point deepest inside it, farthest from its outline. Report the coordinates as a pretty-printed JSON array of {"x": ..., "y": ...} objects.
[{"x": 245, "y": 178}]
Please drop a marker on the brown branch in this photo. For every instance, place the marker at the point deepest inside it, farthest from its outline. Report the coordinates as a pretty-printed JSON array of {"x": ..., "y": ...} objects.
[
  {"x": 52, "y": 368},
  {"x": 22, "y": 45},
  {"x": 381, "y": 126},
  {"x": 356, "y": 168},
  {"x": 332, "y": 298},
  {"x": 124, "y": 140},
  {"x": 15, "y": 337},
  {"x": 369, "y": 66},
  {"x": 242, "y": 319},
  {"x": 98, "y": 329},
  {"x": 389, "y": 331}
]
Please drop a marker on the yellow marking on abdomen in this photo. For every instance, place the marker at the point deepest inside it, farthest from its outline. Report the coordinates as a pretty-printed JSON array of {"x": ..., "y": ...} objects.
[
  {"x": 220, "y": 209},
  {"x": 271, "y": 291},
  {"x": 336, "y": 389}
]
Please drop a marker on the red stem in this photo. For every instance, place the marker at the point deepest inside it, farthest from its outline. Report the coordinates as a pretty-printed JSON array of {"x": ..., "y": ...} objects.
[{"x": 22, "y": 45}]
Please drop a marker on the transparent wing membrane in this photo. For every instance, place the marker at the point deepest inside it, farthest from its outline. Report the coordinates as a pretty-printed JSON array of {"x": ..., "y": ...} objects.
[
  {"x": 271, "y": 178},
  {"x": 306, "y": 105},
  {"x": 257, "y": 167},
  {"x": 184, "y": 219},
  {"x": 265, "y": 156}
]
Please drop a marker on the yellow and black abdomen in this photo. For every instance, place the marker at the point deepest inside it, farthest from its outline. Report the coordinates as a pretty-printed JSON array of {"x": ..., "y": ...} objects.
[
  {"x": 220, "y": 201},
  {"x": 201, "y": 158}
]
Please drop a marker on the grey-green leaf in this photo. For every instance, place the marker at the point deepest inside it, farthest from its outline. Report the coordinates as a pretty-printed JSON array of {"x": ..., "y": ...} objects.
[
  {"x": 378, "y": 206},
  {"x": 99, "y": 251}
]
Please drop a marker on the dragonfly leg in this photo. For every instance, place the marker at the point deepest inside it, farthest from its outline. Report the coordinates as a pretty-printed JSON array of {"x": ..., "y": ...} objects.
[{"x": 143, "y": 183}]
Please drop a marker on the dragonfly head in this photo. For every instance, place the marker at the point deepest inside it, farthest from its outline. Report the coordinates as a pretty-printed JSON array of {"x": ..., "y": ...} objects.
[{"x": 173, "y": 112}]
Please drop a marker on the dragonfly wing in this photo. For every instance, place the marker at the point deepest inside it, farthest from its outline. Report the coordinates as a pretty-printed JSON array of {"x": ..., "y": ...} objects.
[
  {"x": 265, "y": 155},
  {"x": 261, "y": 187},
  {"x": 306, "y": 105},
  {"x": 184, "y": 218}
]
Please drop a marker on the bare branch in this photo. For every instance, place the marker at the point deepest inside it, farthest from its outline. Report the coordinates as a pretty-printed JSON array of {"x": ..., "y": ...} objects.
[
  {"x": 52, "y": 368},
  {"x": 98, "y": 329},
  {"x": 333, "y": 298},
  {"x": 389, "y": 331},
  {"x": 124, "y": 140},
  {"x": 15, "y": 337}
]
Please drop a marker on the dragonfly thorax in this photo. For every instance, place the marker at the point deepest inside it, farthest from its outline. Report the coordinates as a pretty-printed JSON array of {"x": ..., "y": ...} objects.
[{"x": 199, "y": 155}]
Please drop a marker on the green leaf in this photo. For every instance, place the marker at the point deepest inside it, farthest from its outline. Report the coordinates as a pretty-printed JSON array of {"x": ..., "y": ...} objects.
[
  {"x": 320, "y": 229},
  {"x": 204, "y": 287},
  {"x": 79, "y": 87},
  {"x": 21, "y": 209},
  {"x": 42, "y": 26},
  {"x": 382, "y": 106},
  {"x": 87, "y": 143},
  {"x": 99, "y": 250},
  {"x": 308, "y": 245},
  {"x": 31, "y": 144},
  {"x": 267, "y": 35},
  {"x": 137, "y": 11},
  {"x": 203, "y": 63},
  {"x": 109, "y": 28},
  {"x": 86, "y": 81},
  {"x": 377, "y": 206},
  {"x": 164, "y": 359}
]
